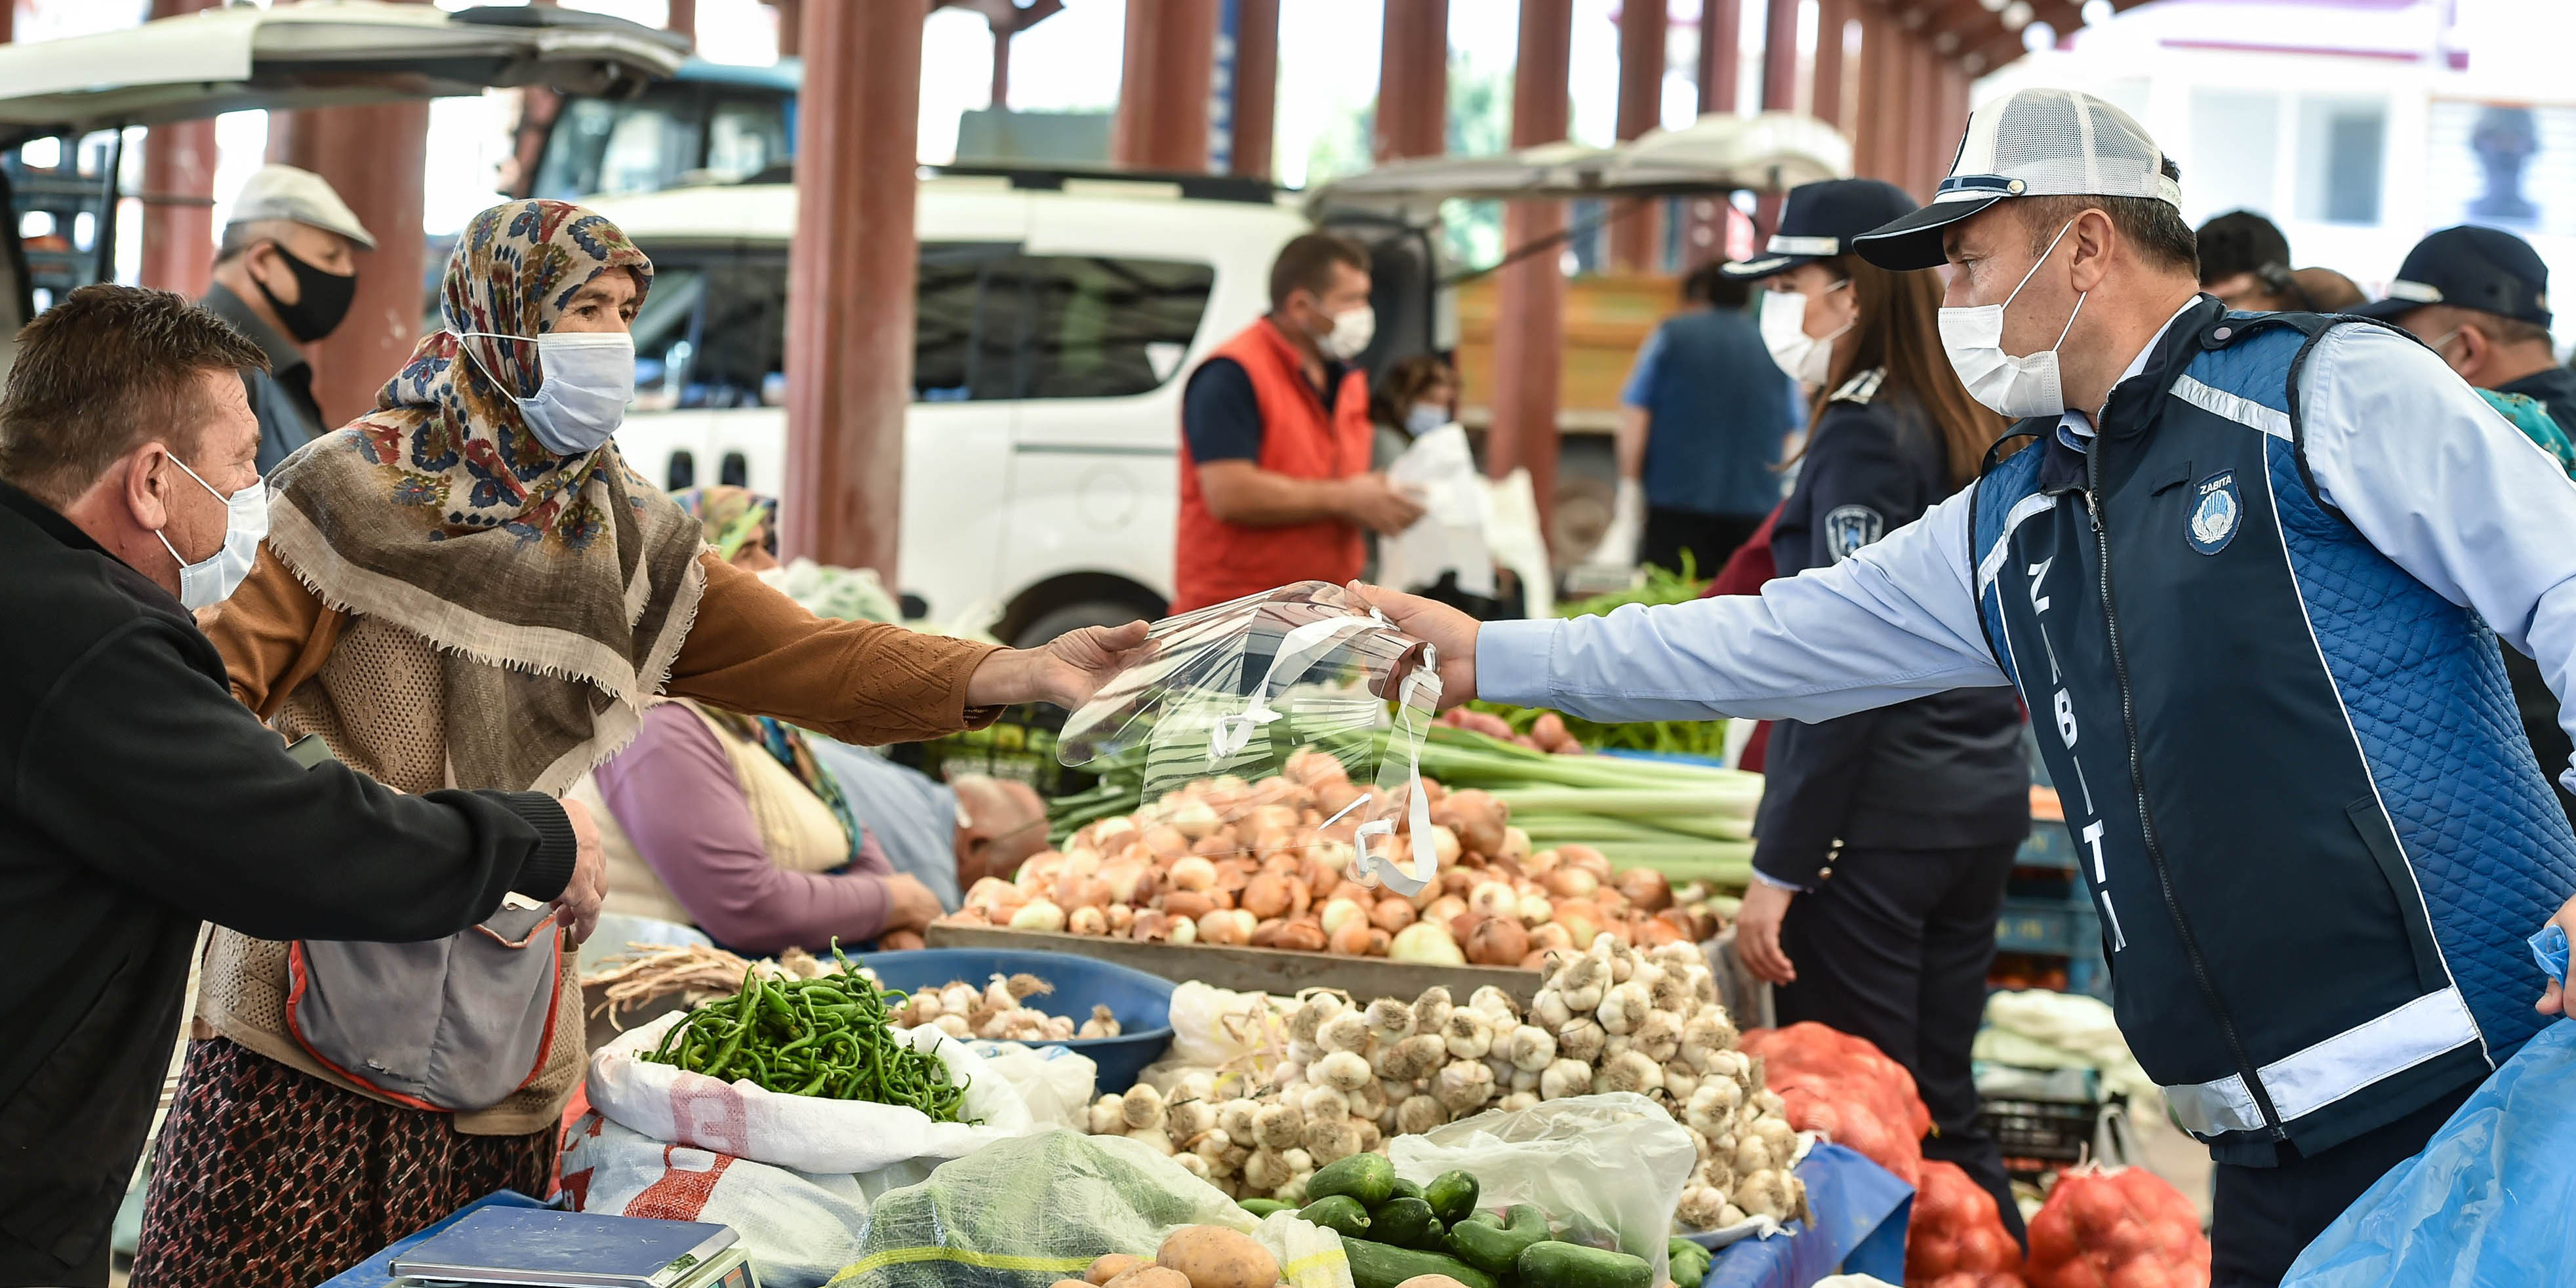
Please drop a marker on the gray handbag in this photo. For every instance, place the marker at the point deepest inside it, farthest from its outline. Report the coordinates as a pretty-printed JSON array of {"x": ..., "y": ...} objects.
[{"x": 447, "y": 1024}]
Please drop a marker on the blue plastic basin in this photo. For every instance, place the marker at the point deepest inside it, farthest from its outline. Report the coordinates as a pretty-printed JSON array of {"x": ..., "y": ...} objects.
[{"x": 1142, "y": 1002}]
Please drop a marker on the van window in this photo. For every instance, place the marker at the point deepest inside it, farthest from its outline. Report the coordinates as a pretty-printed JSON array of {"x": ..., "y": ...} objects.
[
  {"x": 990, "y": 323},
  {"x": 1106, "y": 328},
  {"x": 682, "y": 472}
]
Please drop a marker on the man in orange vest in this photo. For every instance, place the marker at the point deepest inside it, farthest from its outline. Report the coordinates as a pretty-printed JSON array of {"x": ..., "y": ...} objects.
[{"x": 1275, "y": 481}]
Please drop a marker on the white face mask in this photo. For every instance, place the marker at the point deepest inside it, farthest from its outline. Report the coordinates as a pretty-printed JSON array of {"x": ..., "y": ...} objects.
[
  {"x": 1350, "y": 335},
  {"x": 2018, "y": 387},
  {"x": 212, "y": 580},
  {"x": 1807, "y": 358},
  {"x": 589, "y": 379},
  {"x": 1424, "y": 418}
]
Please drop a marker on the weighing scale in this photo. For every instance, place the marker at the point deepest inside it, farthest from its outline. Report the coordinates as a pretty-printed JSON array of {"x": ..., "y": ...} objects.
[{"x": 545, "y": 1248}]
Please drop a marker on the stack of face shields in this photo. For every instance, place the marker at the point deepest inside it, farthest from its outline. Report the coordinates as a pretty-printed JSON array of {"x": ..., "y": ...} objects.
[{"x": 1237, "y": 688}]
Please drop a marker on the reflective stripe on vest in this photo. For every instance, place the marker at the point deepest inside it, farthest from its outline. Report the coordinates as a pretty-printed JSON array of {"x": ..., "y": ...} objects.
[{"x": 2309, "y": 1080}]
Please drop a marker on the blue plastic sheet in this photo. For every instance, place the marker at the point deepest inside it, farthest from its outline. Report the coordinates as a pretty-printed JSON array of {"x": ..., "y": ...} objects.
[
  {"x": 1860, "y": 1214},
  {"x": 2487, "y": 1202}
]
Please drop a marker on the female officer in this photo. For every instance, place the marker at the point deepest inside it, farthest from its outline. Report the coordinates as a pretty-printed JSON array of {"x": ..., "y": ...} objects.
[{"x": 1884, "y": 838}]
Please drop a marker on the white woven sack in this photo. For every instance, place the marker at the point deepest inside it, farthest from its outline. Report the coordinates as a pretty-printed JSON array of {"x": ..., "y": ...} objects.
[{"x": 803, "y": 1133}]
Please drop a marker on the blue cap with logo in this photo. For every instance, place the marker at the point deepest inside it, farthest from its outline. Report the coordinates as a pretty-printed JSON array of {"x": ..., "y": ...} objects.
[
  {"x": 1819, "y": 220},
  {"x": 2468, "y": 267}
]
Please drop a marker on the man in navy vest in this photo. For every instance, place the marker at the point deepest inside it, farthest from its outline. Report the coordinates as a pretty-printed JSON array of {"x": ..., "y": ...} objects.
[{"x": 2249, "y": 573}]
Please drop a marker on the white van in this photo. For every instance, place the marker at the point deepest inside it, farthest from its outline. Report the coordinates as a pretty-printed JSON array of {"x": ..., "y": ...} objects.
[{"x": 1058, "y": 317}]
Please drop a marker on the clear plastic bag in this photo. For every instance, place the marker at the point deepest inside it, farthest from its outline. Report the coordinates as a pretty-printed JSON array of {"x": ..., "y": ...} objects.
[
  {"x": 1616, "y": 1158},
  {"x": 2486, "y": 1200},
  {"x": 1239, "y": 688},
  {"x": 1029, "y": 1212}
]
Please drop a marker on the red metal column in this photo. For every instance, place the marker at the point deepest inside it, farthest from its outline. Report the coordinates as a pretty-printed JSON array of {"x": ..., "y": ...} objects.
[
  {"x": 1636, "y": 234},
  {"x": 851, "y": 271},
  {"x": 1826, "y": 100},
  {"x": 1923, "y": 120},
  {"x": 1256, "y": 85},
  {"x": 8, "y": 21},
  {"x": 683, "y": 19},
  {"x": 1413, "y": 81},
  {"x": 1954, "y": 116},
  {"x": 1780, "y": 56},
  {"x": 1867, "y": 133},
  {"x": 1721, "y": 24},
  {"x": 1529, "y": 298},
  {"x": 178, "y": 189},
  {"x": 1163, "y": 83},
  {"x": 791, "y": 27},
  {"x": 374, "y": 157}
]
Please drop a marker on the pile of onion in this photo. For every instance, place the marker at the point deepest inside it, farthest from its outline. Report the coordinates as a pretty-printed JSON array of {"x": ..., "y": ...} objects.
[
  {"x": 1956, "y": 1237},
  {"x": 2116, "y": 1225}
]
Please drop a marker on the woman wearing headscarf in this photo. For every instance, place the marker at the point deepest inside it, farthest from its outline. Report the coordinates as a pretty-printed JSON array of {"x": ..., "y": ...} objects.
[{"x": 469, "y": 587}]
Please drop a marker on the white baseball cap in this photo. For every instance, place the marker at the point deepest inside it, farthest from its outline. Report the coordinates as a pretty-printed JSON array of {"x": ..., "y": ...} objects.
[
  {"x": 284, "y": 192},
  {"x": 2030, "y": 143}
]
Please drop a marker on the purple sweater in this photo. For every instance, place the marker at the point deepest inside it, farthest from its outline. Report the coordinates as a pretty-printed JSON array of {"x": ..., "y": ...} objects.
[{"x": 674, "y": 791}]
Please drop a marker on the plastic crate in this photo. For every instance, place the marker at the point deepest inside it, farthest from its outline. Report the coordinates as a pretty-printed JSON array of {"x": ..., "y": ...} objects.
[
  {"x": 2046, "y": 1131},
  {"x": 2049, "y": 847},
  {"x": 2058, "y": 927}
]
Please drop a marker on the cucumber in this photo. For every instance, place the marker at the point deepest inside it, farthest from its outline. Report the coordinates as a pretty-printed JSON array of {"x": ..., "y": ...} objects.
[
  {"x": 1405, "y": 1189},
  {"x": 1494, "y": 1247},
  {"x": 1375, "y": 1265},
  {"x": 1452, "y": 1195},
  {"x": 1434, "y": 1237},
  {"x": 1568, "y": 1265},
  {"x": 1264, "y": 1207},
  {"x": 1401, "y": 1223},
  {"x": 1339, "y": 1213},
  {"x": 1370, "y": 1178}
]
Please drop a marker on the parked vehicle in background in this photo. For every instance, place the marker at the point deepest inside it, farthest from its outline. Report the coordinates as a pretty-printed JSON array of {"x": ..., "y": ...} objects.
[{"x": 1057, "y": 314}]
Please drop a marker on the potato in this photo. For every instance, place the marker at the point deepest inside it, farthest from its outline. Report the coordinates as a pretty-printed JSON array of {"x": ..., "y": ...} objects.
[
  {"x": 1111, "y": 1266},
  {"x": 1146, "y": 1275},
  {"x": 1214, "y": 1257},
  {"x": 1071, "y": 1283},
  {"x": 1431, "y": 1281}
]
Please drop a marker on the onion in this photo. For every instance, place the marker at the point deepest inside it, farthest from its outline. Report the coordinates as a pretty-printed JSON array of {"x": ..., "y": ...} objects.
[
  {"x": 1195, "y": 819},
  {"x": 1267, "y": 896},
  {"x": 1350, "y": 936},
  {"x": 1426, "y": 942},
  {"x": 1166, "y": 842},
  {"x": 1572, "y": 883},
  {"x": 1585, "y": 857},
  {"x": 1392, "y": 914},
  {"x": 1038, "y": 914},
  {"x": 1647, "y": 889},
  {"x": 1497, "y": 941},
  {"x": 1130, "y": 880},
  {"x": 1273, "y": 843},
  {"x": 1534, "y": 909},
  {"x": 1341, "y": 912},
  {"x": 1193, "y": 874},
  {"x": 1300, "y": 935},
  {"x": 1190, "y": 904},
  {"x": 1493, "y": 899},
  {"x": 1444, "y": 909},
  {"x": 1581, "y": 920},
  {"x": 1081, "y": 891},
  {"x": 1549, "y": 935},
  {"x": 1226, "y": 926},
  {"x": 1088, "y": 920}
]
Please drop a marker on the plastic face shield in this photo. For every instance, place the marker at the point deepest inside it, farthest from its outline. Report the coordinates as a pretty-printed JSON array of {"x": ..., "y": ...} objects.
[{"x": 1237, "y": 689}]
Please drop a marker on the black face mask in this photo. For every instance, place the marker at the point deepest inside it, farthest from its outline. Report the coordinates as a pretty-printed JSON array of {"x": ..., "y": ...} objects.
[{"x": 322, "y": 299}]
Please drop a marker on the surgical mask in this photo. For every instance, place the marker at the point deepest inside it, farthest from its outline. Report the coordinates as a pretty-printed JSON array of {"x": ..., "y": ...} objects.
[
  {"x": 2017, "y": 387},
  {"x": 212, "y": 580},
  {"x": 1350, "y": 335},
  {"x": 1807, "y": 358},
  {"x": 1424, "y": 418},
  {"x": 589, "y": 379},
  {"x": 321, "y": 298}
]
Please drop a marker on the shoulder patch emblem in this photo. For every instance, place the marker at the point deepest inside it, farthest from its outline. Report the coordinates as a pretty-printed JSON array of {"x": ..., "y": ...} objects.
[
  {"x": 1849, "y": 527},
  {"x": 2217, "y": 514}
]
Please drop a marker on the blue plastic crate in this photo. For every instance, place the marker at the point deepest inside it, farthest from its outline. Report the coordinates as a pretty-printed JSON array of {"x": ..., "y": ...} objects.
[
  {"x": 2049, "y": 847},
  {"x": 2057, "y": 927}
]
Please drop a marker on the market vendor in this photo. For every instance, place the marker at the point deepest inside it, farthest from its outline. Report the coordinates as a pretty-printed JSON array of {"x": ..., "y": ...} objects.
[
  {"x": 1275, "y": 438},
  {"x": 2280, "y": 730},
  {"x": 1916, "y": 808},
  {"x": 469, "y": 586}
]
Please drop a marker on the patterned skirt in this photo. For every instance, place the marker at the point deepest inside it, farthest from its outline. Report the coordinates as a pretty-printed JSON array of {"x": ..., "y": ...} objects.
[{"x": 266, "y": 1178}]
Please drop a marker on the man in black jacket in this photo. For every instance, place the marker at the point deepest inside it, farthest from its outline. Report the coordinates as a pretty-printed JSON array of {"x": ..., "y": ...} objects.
[{"x": 137, "y": 798}]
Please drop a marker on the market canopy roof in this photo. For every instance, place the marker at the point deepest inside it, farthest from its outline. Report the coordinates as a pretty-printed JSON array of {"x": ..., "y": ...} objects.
[
  {"x": 1716, "y": 153},
  {"x": 316, "y": 54}
]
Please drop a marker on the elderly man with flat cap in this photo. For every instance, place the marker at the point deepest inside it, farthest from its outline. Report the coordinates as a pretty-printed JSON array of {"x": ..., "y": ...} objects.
[
  {"x": 285, "y": 273},
  {"x": 2248, "y": 573}
]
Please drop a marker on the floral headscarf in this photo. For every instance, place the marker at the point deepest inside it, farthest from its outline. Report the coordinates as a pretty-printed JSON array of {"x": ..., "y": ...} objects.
[{"x": 555, "y": 588}]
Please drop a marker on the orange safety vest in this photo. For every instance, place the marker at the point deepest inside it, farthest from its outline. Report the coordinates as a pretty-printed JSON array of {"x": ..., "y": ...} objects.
[{"x": 1216, "y": 561}]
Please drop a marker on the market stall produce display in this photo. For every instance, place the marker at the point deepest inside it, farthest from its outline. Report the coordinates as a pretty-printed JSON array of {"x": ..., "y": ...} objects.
[
  {"x": 995, "y": 1012},
  {"x": 2116, "y": 1225},
  {"x": 1540, "y": 729},
  {"x": 1224, "y": 861},
  {"x": 830, "y": 1036},
  {"x": 1355, "y": 1075},
  {"x": 1956, "y": 1237},
  {"x": 1846, "y": 1089}
]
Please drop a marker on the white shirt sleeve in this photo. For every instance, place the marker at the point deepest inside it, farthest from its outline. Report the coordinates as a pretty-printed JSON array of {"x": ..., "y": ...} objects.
[
  {"x": 1896, "y": 620},
  {"x": 2448, "y": 489}
]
